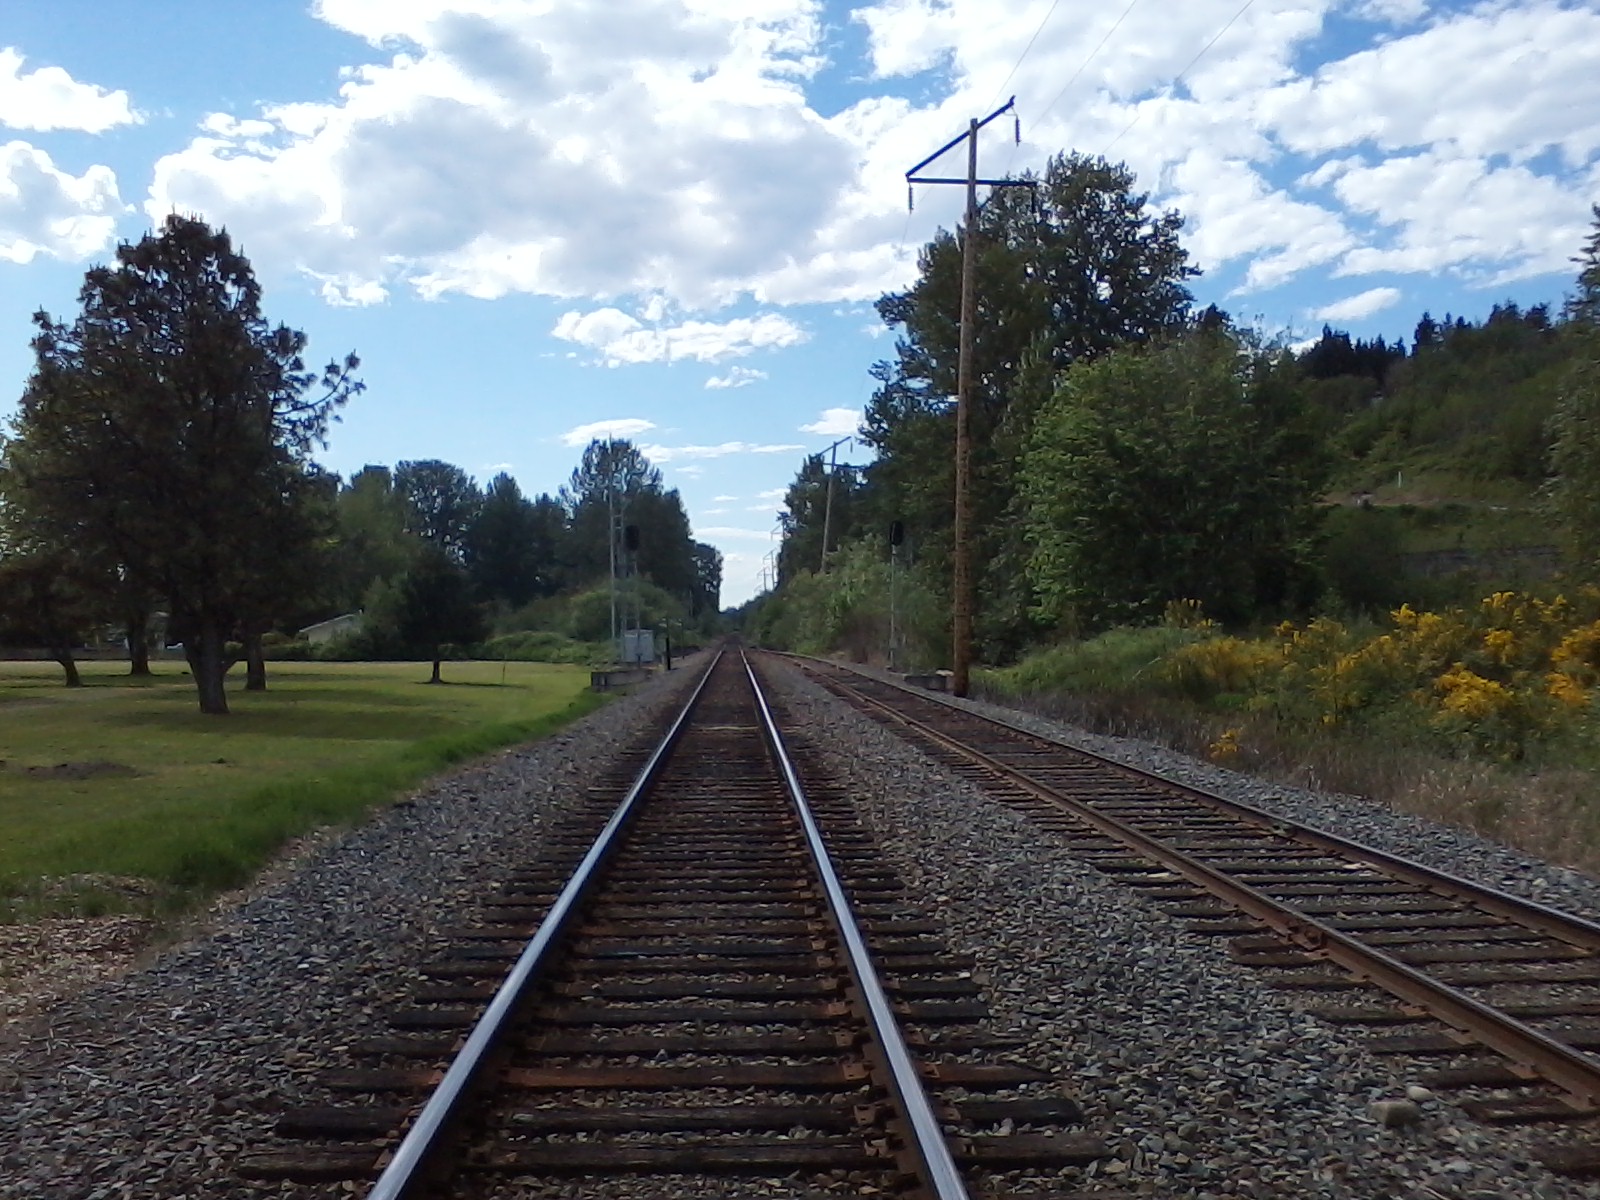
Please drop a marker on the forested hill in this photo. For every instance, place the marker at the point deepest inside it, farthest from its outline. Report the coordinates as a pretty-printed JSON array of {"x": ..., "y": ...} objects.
[{"x": 1131, "y": 452}]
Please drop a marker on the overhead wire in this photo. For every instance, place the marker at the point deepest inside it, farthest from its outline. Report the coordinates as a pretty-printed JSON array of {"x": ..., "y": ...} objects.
[
  {"x": 1178, "y": 78},
  {"x": 1000, "y": 91},
  {"x": 1071, "y": 79},
  {"x": 1100, "y": 45}
]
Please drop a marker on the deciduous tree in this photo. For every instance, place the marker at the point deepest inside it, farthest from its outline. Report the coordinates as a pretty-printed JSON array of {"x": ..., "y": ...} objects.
[
  {"x": 442, "y": 502},
  {"x": 1178, "y": 471},
  {"x": 163, "y": 422},
  {"x": 436, "y": 606}
]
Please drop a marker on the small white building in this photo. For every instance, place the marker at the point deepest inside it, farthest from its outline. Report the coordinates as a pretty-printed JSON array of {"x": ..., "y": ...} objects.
[{"x": 324, "y": 632}]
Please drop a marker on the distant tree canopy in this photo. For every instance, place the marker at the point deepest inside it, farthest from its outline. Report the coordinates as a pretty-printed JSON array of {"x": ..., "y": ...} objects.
[
  {"x": 1066, "y": 272},
  {"x": 1184, "y": 469},
  {"x": 167, "y": 430},
  {"x": 442, "y": 502},
  {"x": 1128, "y": 452}
]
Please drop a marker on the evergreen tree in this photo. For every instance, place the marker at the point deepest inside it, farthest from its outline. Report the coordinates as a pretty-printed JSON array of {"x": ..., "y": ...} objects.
[{"x": 1584, "y": 304}]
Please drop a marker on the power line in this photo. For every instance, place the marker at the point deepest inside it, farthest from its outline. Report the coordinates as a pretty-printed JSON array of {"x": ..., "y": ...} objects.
[
  {"x": 1000, "y": 91},
  {"x": 1083, "y": 66},
  {"x": 1178, "y": 78}
]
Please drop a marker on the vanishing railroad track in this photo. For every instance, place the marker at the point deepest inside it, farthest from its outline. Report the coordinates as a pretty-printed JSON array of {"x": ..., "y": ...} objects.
[
  {"x": 1515, "y": 984},
  {"x": 713, "y": 975}
]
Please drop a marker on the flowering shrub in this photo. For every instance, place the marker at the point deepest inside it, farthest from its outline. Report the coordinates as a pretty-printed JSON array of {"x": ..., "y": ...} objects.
[
  {"x": 1490, "y": 679},
  {"x": 1206, "y": 669}
]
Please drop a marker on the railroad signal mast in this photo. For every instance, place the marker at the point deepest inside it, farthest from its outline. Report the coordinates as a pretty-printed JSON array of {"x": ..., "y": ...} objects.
[{"x": 961, "y": 600}]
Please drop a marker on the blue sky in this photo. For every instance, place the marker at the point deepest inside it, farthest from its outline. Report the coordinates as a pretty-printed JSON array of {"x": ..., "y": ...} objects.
[{"x": 540, "y": 219}]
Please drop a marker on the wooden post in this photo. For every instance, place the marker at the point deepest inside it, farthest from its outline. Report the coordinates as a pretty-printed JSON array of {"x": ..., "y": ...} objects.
[
  {"x": 961, "y": 585},
  {"x": 961, "y": 625}
]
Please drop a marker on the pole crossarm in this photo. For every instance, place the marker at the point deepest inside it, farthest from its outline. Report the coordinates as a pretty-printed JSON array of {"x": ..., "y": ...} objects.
[
  {"x": 961, "y": 137},
  {"x": 981, "y": 182}
]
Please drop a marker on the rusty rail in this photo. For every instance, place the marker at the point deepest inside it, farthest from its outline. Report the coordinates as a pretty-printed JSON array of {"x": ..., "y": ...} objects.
[
  {"x": 1573, "y": 1071},
  {"x": 408, "y": 1171},
  {"x": 935, "y": 1166}
]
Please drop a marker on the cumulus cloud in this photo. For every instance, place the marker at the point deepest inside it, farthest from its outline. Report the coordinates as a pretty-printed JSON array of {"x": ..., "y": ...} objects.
[
  {"x": 586, "y": 149},
  {"x": 1359, "y": 306},
  {"x": 733, "y": 533},
  {"x": 737, "y": 377},
  {"x": 665, "y": 454},
  {"x": 655, "y": 156},
  {"x": 47, "y": 98},
  {"x": 614, "y": 427},
  {"x": 44, "y": 210},
  {"x": 620, "y": 339},
  {"x": 835, "y": 422}
]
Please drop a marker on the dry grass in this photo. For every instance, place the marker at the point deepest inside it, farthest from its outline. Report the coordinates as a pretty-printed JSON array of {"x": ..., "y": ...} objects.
[{"x": 1547, "y": 811}]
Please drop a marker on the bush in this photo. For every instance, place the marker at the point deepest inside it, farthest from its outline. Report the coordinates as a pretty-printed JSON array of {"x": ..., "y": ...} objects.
[
  {"x": 546, "y": 647},
  {"x": 285, "y": 647}
]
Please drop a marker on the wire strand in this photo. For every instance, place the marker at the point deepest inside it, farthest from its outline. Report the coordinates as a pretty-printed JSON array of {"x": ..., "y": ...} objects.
[
  {"x": 1000, "y": 91},
  {"x": 1073, "y": 78},
  {"x": 1084, "y": 65},
  {"x": 1178, "y": 78}
]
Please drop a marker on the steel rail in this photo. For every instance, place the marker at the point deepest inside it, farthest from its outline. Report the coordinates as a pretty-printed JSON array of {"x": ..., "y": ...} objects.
[
  {"x": 1555, "y": 1061},
  {"x": 940, "y": 1174},
  {"x": 408, "y": 1170},
  {"x": 1568, "y": 927}
]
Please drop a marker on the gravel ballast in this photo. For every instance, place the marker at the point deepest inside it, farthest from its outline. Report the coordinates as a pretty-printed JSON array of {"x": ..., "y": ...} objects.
[
  {"x": 1208, "y": 1083},
  {"x": 151, "y": 1085}
]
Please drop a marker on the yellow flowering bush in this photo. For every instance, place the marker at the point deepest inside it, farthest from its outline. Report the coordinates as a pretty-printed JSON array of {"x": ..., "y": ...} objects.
[
  {"x": 1221, "y": 664},
  {"x": 1490, "y": 678},
  {"x": 1226, "y": 748}
]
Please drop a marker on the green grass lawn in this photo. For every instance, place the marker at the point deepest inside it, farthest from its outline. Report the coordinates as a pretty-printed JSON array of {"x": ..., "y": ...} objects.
[{"x": 123, "y": 780}]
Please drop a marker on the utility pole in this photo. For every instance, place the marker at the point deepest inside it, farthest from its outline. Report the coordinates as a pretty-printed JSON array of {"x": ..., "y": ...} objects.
[
  {"x": 611, "y": 552},
  {"x": 827, "y": 508},
  {"x": 961, "y": 600}
]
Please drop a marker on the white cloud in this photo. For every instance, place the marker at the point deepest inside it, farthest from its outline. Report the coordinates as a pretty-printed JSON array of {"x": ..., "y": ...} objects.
[
  {"x": 1363, "y": 304},
  {"x": 738, "y": 377},
  {"x": 722, "y": 499},
  {"x": 48, "y": 98},
  {"x": 665, "y": 454},
  {"x": 615, "y": 427},
  {"x": 662, "y": 156},
  {"x": 592, "y": 148},
  {"x": 835, "y": 422},
  {"x": 44, "y": 210},
  {"x": 620, "y": 339},
  {"x": 693, "y": 472},
  {"x": 729, "y": 531},
  {"x": 494, "y": 469},
  {"x": 1448, "y": 211},
  {"x": 773, "y": 494},
  {"x": 713, "y": 512}
]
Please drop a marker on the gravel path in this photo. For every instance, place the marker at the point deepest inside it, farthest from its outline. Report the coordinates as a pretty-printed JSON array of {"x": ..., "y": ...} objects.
[
  {"x": 150, "y": 1085},
  {"x": 1210, "y": 1084}
]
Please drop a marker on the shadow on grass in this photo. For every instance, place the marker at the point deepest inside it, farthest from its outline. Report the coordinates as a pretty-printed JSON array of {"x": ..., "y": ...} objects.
[{"x": 305, "y": 720}]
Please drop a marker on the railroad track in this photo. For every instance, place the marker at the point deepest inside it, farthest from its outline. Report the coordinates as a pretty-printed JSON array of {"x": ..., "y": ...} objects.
[
  {"x": 713, "y": 976},
  {"x": 1514, "y": 984}
]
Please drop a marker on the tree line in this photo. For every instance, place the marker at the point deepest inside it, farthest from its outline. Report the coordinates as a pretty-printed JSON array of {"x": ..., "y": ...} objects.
[
  {"x": 161, "y": 462},
  {"x": 1132, "y": 449}
]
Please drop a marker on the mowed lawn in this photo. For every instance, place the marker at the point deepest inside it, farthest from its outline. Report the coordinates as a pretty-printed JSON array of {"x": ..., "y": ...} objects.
[{"x": 125, "y": 780}]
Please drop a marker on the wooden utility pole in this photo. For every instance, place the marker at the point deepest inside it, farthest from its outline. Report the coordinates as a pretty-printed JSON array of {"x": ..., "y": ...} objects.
[
  {"x": 827, "y": 509},
  {"x": 961, "y": 600}
]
